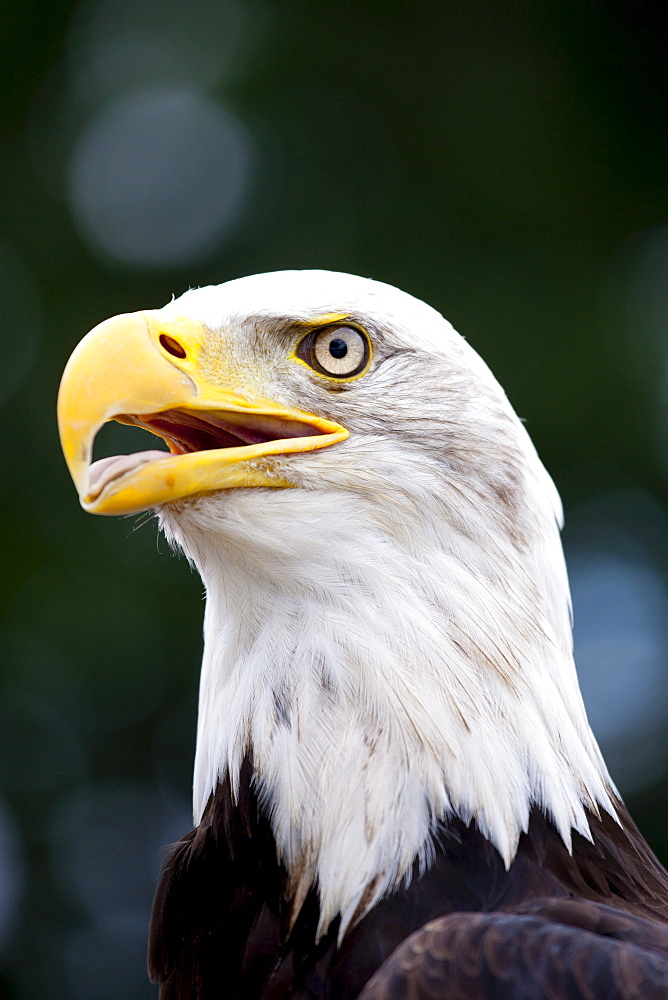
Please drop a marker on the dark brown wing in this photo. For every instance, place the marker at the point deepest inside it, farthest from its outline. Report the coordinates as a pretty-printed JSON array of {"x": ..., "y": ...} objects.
[
  {"x": 221, "y": 918},
  {"x": 519, "y": 956},
  {"x": 215, "y": 924}
]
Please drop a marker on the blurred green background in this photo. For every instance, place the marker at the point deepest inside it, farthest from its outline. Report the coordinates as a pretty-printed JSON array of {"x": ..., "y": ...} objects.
[{"x": 505, "y": 161}]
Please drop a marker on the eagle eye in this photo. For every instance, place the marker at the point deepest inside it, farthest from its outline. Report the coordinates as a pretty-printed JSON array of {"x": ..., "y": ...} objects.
[{"x": 337, "y": 351}]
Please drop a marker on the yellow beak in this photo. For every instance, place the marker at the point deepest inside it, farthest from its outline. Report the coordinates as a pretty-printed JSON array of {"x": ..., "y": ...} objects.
[{"x": 140, "y": 368}]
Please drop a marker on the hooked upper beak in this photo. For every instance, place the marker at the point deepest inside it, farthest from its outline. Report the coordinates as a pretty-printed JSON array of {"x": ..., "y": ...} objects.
[{"x": 142, "y": 368}]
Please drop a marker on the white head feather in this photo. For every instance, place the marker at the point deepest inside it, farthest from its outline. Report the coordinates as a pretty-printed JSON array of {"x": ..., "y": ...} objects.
[{"x": 391, "y": 640}]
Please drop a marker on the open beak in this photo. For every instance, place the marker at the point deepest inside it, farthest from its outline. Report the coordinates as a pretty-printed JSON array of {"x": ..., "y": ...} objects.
[{"x": 141, "y": 368}]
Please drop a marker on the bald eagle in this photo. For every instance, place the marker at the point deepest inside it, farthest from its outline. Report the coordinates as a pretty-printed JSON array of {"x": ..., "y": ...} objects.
[{"x": 396, "y": 791}]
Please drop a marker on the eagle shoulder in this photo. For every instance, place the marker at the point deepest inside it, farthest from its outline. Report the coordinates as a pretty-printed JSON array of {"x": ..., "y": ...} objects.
[
  {"x": 519, "y": 956},
  {"x": 555, "y": 924}
]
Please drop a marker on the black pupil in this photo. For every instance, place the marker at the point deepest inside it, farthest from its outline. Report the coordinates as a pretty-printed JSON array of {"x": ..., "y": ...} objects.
[{"x": 338, "y": 348}]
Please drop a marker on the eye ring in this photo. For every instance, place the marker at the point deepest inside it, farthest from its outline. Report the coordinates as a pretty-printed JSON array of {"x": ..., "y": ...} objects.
[{"x": 337, "y": 351}]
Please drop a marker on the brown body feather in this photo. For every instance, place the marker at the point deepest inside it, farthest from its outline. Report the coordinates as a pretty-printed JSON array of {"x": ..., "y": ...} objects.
[{"x": 555, "y": 925}]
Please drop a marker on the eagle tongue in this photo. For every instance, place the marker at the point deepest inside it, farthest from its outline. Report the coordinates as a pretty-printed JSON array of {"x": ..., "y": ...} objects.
[{"x": 102, "y": 472}]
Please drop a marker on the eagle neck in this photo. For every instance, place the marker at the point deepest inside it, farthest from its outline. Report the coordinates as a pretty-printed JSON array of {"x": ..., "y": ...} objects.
[{"x": 379, "y": 696}]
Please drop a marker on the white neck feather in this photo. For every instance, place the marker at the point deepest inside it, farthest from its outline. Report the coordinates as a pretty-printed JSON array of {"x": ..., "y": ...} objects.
[{"x": 388, "y": 661}]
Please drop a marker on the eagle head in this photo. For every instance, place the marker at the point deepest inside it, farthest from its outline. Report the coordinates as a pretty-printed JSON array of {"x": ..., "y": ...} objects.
[{"x": 387, "y": 630}]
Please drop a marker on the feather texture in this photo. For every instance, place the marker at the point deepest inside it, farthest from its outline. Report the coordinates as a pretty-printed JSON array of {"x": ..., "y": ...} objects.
[
  {"x": 498, "y": 956},
  {"x": 390, "y": 728},
  {"x": 392, "y": 637},
  {"x": 221, "y": 923}
]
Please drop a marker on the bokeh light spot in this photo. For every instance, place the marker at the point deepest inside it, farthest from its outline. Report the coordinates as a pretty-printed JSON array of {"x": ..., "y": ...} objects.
[
  {"x": 104, "y": 844},
  {"x": 11, "y": 873},
  {"x": 159, "y": 179},
  {"x": 620, "y": 600}
]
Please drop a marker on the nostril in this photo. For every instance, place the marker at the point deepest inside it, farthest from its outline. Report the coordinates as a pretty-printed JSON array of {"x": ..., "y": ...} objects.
[{"x": 172, "y": 346}]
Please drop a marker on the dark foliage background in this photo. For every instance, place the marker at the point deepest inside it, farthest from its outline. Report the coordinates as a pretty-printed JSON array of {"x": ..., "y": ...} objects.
[{"x": 505, "y": 160}]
